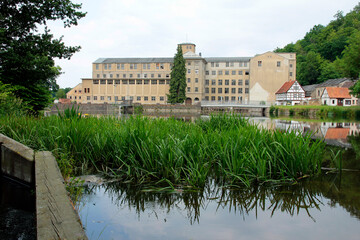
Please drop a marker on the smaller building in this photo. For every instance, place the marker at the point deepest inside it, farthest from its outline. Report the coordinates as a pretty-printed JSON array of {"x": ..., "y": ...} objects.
[
  {"x": 336, "y": 96},
  {"x": 75, "y": 94},
  {"x": 290, "y": 93}
]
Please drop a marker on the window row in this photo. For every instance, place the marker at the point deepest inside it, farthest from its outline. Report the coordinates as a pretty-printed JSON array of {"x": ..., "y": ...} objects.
[
  {"x": 227, "y": 82},
  {"x": 117, "y": 98},
  {"x": 139, "y": 81},
  {"x": 226, "y": 98},
  {"x": 123, "y": 66},
  {"x": 139, "y": 75},
  {"x": 230, "y": 64},
  {"x": 227, "y": 90},
  {"x": 227, "y": 72},
  {"x": 196, "y": 71}
]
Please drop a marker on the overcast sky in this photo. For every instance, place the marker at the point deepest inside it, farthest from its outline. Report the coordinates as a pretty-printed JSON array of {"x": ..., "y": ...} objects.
[{"x": 219, "y": 28}]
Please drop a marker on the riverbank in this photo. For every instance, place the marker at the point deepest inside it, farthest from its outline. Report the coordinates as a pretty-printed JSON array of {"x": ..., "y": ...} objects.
[{"x": 313, "y": 112}]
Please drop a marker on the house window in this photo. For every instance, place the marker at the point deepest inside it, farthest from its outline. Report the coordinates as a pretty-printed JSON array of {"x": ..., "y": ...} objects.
[
  {"x": 206, "y": 90},
  {"x": 138, "y": 98},
  {"x": 189, "y": 70},
  {"x": 196, "y": 71},
  {"x": 189, "y": 80},
  {"x": 95, "y": 98},
  {"x": 233, "y": 72},
  {"x": 233, "y": 90},
  {"x": 206, "y": 72},
  {"x": 196, "y": 89},
  {"x": 207, "y": 82},
  {"x": 240, "y": 82},
  {"x": 213, "y": 90},
  {"x": 213, "y": 72},
  {"x": 95, "y": 81},
  {"x": 240, "y": 90},
  {"x": 246, "y": 82},
  {"x": 347, "y": 102},
  {"x": 246, "y": 90},
  {"x": 226, "y": 90},
  {"x": 88, "y": 98},
  {"x": 102, "y": 81},
  {"x": 220, "y": 82},
  {"x": 290, "y": 74},
  {"x": 153, "y": 98},
  {"x": 278, "y": 63},
  {"x": 233, "y": 82},
  {"x": 240, "y": 72},
  {"x": 212, "y": 98},
  {"x": 219, "y": 90},
  {"x": 122, "y": 66},
  {"x": 226, "y": 81},
  {"x": 333, "y": 101},
  {"x": 213, "y": 82},
  {"x": 146, "y": 98},
  {"x": 196, "y": 80},
  {"x": 188, "y": 89},
  {"x": 109, "y": 98},
  {"x": 226, "y": 72},
  {"x": 259, "y": 63},
  {"x": 97, "y": 66},
  {"x": 162, "y": 98},
  {"x": 220, "y": 72},
  {"x": 102, "y": 98}
]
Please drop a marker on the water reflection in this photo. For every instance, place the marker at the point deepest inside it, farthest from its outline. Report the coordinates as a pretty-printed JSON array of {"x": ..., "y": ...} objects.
[{"x": 315, "y": 200}]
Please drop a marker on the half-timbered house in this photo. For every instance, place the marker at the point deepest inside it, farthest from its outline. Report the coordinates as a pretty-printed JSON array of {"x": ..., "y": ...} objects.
[{"x": 290, "y": 93}]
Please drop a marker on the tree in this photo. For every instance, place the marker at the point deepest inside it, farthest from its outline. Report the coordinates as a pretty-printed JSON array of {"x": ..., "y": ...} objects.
[
  {"x": 355, "y": 90},
  {"x": 309, "y": 69},
  {"x": 27, "y": 54},
  {"x": 178, "y": 79},
  {"x": 351, "y": 56}
]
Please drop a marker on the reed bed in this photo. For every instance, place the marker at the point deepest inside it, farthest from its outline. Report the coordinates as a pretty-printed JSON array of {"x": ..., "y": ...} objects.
[{"x": 169, "y": 151}]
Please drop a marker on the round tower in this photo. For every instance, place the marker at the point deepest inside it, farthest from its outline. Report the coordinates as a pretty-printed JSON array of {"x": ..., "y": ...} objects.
[{"x": 187, "y": 47}]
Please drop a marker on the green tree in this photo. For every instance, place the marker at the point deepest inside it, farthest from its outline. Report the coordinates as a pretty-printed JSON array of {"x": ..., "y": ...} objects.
[
  {"x": 60, "y": 93},
  {"x": 355, "y": 90},
  {"x": 27, "y": 54},
  {"x": 178, "y": 79},
  {"x": 351, "y": 57},
  {"x": 309, "y": 69}
]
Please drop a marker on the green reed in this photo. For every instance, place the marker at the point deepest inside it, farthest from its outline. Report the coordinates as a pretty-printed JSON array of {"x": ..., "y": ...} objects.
[{"x": 143, "y": 150}]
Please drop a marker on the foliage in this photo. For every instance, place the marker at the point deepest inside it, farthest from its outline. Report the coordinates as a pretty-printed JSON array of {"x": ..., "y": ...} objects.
[
  {"x": 355, "y": 90},
  {"x": 70, "y": 113},
  {"x": 178, "y": 79},
  {"x": 26, "y": 53},
  {"x": 61, "y": 92},
  {"x": 9, "y": 104},
  {"x": 171, "y": 151},
  {"x": 328, "y": 52}
]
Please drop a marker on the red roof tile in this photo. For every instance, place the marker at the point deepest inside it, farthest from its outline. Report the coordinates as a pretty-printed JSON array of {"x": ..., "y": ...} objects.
[
  {"x": 338, "y": 92},
  {"x": 284, "y": 88}
]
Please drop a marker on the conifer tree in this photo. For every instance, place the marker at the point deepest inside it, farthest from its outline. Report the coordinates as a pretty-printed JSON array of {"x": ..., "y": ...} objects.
[{"x": 178, "y": 79}]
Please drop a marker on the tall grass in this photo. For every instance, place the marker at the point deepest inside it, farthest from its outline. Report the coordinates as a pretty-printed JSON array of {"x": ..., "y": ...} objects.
[{"x": 141, "y": 149}]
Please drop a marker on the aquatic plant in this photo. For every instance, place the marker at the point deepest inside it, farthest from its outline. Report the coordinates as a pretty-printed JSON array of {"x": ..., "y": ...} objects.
[{"x": 140, "y": 149}]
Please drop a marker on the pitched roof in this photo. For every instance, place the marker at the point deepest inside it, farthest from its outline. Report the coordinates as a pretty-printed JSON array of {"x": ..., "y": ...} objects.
[
  {"x": 337, "y": 133},
  {"x": 333, "y": 82},
  {"x": 309, "y": 89},
  {"x": 285, "y": 87},
  {"x": 338, "y": 92}
]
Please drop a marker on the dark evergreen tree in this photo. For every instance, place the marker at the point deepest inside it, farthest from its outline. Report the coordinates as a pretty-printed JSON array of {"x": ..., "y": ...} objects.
[
  {"x": 26, "y": 54},
  {"x": 178, "y": 79}
]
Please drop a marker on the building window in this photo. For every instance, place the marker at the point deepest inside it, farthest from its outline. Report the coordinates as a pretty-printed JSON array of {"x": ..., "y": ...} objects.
[
  {"x": 213, "y": 82},
  {"x": 188, "y": 89},
  {"x": 161, "y": 66},
  {"x": 196, "y": 89},
  {"x": 233, "y": 99},
  {"x": 132, "y": 82},
  {"x": 213, "y": 72},
  {"x": 217, "y": 65},
  {"x": 146, "y": 98},
  {"x": 145, "y": 75},
  {"x": 109, "y": 98},
  {"x": 88, "y": 98},
  {"x": 226, "y": 72},
  {"x": 245, "y": 64},
  {"x": 116, "y": 98},
  {"x": 290, "y": 65},
  {"x": 110, "y": 81},
  {"x": 162, "y": 98},
  {"x": 290, "y": 74},
  {"x": 206, "y": 72},
  {"x": 117, "y": 75},
  {"x": 233, "y": 72},
  {"x": 206, "y": 98},
  {"x": 146, "y": 81},
  {"x": 333, "y": 101},
  {"x": 189, "y": 63},
  {"x": 219, "y": 98},
  {"x": 122, "y": 66},
  {"x": 102, "y": 81},
  {"x": 131, "y": 66},
  {"x": 219, "y": 90},
  {"x": 233, "y": 90},
  {"x": 206, "y": 90},
  {"x": 102, "y": 98},
  {"x": 117, "y": 81},
  {"x": 212, "y": 98},
  {"x": 227, "y": 64},
  {"x": 124, "y": 81},
  {"x": 278, "y": 63},
  {"x": 220, "y": 72},
  {"x": 220, "y": 82},
  {"x": 135, "y": 65},
  {"x": 247, "y": 82},
  {"x": 148, "y": 66},
  {"x": 259, "y": 63},
  {"x": 138, "y": 75},
  {"x": 105, "y": 66},
  {"x": 206, "y": 82},
  {"x": 95, "y": 98},
  {"x": 246, "y": 90},
  {"x": 226, "y": 90},
  {"x": 131, "y": 75},
  {"x": 212, "y": 64},
  {"x": 240, "y": 90},
  {"x": 226, "y": 98},
  {"x": 162, "y": 82},
  {"x": 159, "y": 75},
  {"x": 153, "y": 82},
  {"x": 152, "y": 75},
  {"x": 97, "y": 66},
  {"x": 189, "y": 80},
  {"x": 138, "y": 81},
  {"x": 104, "y": 75},
  {"x": 123, "y": 98},
  {"x": 196, "y": 71},
  {"x": 233, "y": 82},
  {"x": 189, "y": 70},
  {"x": 98, "y": 75},
  {"x": 240, "y": 72},
  {"x": 213, "y": 90},
  {"x": 138, "y": 98},
  {"x": 227, "y": 82},
  {"x": 95, "y": 81},
  {"x": 196, "y": 80},
  {"x": 118, "y": 66},
  {"x": 124, "y": 75},
  {"x": 153, "y": 98},
  {"x": 240, "y": 64},
  {"x": 144, "y": 66}
]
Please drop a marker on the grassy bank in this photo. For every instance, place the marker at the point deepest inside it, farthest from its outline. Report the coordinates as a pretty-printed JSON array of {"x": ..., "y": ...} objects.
[
  {"x": 323, "y": 111},
  {"x": 170, "y": 151}
]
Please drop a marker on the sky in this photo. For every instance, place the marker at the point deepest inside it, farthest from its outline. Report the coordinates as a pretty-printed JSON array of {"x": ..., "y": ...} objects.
[{"x": 219, "y": 28}]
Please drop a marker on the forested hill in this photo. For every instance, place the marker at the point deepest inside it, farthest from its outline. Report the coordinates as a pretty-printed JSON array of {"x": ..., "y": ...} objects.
[{"x": 328, "y": 52}]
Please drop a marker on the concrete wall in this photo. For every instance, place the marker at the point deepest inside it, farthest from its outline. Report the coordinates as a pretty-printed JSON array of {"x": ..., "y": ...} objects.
[
  {"x": 91, "y": 109},
  {"x": 55, "y": 216},
  {"x": 171, "y": 109}
]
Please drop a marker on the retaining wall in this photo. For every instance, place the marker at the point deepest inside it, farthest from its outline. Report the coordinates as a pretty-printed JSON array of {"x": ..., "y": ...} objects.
[{"x": 55, "y": 216}]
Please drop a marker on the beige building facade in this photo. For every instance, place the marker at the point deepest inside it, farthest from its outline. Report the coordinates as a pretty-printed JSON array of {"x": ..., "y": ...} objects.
[{"x": 222, "y": 79}]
